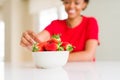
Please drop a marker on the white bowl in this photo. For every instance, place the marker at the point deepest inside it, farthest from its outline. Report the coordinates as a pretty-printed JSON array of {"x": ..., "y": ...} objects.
[{"x": 50, "y": 59}]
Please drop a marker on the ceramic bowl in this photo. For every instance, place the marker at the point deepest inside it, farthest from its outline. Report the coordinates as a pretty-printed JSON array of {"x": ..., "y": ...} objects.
[{"x": 50, "y": 59}]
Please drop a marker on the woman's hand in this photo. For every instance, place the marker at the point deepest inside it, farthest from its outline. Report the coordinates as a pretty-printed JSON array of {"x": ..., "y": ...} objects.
[{"x": 29, "y": 38}]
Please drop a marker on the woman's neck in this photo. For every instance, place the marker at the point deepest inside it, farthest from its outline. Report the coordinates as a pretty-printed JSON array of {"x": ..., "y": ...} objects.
[{"x": 74, "y": 22}]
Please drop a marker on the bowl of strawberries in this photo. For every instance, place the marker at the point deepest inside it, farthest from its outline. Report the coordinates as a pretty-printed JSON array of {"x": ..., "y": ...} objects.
[{"x": 51, "y": 54}]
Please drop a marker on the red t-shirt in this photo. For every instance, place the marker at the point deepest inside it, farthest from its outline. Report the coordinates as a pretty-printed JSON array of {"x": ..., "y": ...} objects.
[{"x": 77, "y": 36}]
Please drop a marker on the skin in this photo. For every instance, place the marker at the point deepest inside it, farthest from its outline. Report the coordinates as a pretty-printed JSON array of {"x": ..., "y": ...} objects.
[{"x": 73, "y": 9}]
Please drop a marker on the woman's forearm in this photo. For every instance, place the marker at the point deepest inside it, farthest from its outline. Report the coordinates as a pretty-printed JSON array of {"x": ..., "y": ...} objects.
[
  {"x": 87, "y": 55},
  {"x": 81, "y": 56},
  {"x": 44, "y": 36}
]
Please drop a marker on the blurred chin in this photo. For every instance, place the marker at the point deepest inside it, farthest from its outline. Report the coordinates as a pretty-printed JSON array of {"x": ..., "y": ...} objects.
[{"x": 71, "y": 16}]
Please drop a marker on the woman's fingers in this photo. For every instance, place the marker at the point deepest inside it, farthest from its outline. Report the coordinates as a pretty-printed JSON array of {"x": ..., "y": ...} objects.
[
  {"x": 34, "y": 36},
  {"x": 29, "y": 38},
  {"x": 24, "y": 42}
]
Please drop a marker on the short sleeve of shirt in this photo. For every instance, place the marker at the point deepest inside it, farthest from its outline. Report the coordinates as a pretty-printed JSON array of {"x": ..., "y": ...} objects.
[
  {"x": 92, "y": 29},
  {"x": 50, "y": 28}
]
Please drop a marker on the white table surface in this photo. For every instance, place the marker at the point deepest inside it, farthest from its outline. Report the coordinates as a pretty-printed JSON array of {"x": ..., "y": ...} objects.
[{"x": 71, "y": 71}]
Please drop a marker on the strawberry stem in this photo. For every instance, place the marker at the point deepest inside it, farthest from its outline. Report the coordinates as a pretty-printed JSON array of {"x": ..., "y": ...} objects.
[
  {"x": 35, "y": 48},
  {"x": 60, "y": 49},
  {"x": 56, "y": 36},
  {"x": 69, "y": 48}
]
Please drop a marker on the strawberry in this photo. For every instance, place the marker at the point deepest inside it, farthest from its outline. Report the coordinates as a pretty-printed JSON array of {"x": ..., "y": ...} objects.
[
  {"x": 54, "y": 44},
  {"x": 53, "y": 40},
  {"x": 67, "y": 46},
  {"x": 38, "y": 47},
  {"x": 56, "y": 37},
  {"x": 41, "y": 46},
  {"x": 51, "y": 46}
]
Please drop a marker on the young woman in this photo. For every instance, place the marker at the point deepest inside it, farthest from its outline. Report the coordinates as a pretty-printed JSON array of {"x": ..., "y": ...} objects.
[{"x": 77, "y": 29}]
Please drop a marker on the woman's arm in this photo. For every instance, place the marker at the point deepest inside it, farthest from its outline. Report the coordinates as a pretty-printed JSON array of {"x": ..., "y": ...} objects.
[
  {"x": 29, "y": 38},
  {"x": 44, "y": 35},
  {"x": 87, "y": 55}
]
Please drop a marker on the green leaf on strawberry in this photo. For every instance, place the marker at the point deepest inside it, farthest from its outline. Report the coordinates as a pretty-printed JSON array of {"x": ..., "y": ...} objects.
[
  {"x": 59, "y": 44},
  {"x": 69, "y": 48},
  {"x": 57, "y": 37},
  {"x": 35, "y": 47},
  {"x": 60, "y": 49}
]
